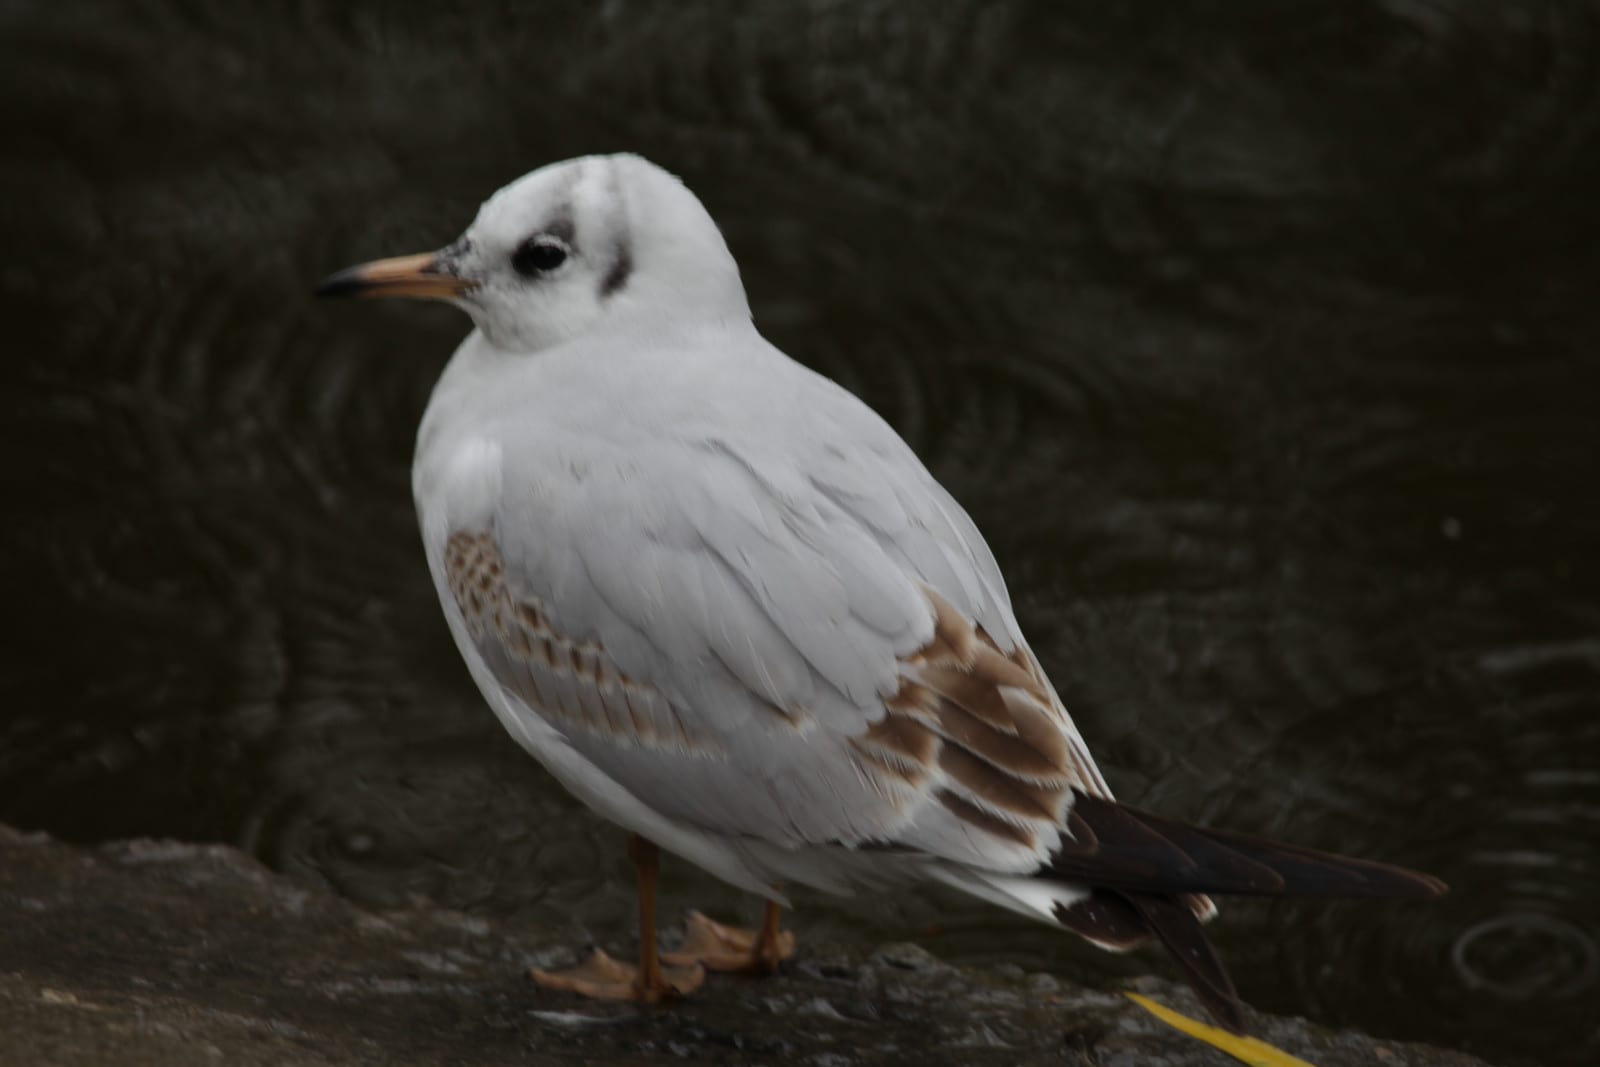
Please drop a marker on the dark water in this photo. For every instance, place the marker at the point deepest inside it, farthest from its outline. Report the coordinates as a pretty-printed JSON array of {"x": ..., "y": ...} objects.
[{"x": 1261, "y": 338}]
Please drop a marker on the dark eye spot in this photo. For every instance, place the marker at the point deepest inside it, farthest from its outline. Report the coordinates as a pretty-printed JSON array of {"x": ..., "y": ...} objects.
[{"x": 539, "y": 254}]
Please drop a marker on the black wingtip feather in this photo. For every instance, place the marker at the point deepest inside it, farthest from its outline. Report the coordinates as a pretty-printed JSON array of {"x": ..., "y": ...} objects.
[
  {"x": 1180, "y": 934},
  {"x": 1134, "y": 851},
  {"x": 1106, "y": 919},
  {"x": 1142, "y": 868}
]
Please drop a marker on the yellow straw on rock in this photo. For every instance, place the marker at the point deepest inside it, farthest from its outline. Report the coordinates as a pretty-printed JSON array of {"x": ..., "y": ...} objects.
[{"x": 1244, "y": 1049}]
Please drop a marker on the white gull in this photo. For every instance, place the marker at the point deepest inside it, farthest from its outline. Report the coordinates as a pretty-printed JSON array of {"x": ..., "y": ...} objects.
[{"x": 727, "y": 607}]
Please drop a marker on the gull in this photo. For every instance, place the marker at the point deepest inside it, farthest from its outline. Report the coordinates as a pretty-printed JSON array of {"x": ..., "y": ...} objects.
[{"x": 724, "y": 604}]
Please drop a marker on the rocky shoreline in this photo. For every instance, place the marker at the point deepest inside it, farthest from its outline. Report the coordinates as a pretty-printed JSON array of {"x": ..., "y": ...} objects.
[{"x": 162, "y": 953}]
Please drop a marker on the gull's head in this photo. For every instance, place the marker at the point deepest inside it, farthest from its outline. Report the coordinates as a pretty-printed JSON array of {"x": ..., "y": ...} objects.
[{"x": 569, "y": 249}]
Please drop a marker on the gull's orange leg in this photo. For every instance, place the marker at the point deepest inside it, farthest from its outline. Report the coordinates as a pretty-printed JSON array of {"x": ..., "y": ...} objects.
[
  {"x": 730, "y": 949},
  {"x": 605, "y": 978}
]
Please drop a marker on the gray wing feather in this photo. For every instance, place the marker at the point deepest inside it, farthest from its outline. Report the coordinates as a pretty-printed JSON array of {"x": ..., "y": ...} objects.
[
  {"x": 758, "y": 605},
  {"x": 772, "y": 630}
]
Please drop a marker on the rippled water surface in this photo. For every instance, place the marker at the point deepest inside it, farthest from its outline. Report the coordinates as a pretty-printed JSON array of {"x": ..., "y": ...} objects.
[{"x": 1262, "y": 340}]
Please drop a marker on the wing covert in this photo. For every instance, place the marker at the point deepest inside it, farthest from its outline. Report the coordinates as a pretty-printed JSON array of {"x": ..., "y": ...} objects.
[{"x": 798, "y": 658}]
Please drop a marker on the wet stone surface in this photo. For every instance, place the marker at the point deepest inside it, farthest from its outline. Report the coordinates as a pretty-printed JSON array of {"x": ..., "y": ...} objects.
[{"x": 154, "y": 952}]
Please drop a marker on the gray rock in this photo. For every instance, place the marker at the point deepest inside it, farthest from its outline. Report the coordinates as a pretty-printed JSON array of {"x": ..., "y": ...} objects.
[{"x": 157, "y": 953}]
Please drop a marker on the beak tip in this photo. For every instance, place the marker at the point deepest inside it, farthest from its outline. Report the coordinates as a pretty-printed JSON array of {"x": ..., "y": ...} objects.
[{"x": 343, "y": 283}]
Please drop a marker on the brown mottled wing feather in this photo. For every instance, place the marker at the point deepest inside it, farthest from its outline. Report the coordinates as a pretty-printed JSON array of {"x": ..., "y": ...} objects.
[
  {"x": 574, "y": 683},
  {"x": 981, "y": 729}
]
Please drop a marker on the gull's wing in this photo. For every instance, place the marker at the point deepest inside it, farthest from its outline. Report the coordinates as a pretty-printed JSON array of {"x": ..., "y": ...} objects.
[{"x": 798, "y": 648}]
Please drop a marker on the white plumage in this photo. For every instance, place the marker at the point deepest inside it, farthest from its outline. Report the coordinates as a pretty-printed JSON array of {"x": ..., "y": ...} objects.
[
  {"x": 736, "y": 532},
  {"x": 726, "y": 605}
]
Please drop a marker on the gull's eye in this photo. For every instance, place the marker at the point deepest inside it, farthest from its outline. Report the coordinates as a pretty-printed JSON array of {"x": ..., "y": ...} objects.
[{"x": 539, "y": 255}]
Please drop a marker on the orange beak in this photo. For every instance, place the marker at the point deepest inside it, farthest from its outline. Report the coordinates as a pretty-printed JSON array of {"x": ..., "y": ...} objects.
[{"x": 422, "y": 277}]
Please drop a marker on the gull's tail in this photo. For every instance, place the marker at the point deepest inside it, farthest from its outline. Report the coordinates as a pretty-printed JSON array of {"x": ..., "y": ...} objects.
[{"x": 1122, "y": 877}]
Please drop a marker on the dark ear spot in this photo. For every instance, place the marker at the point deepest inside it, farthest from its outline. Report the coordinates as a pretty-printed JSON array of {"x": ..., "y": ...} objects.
[{"x": 617, "y": 276}]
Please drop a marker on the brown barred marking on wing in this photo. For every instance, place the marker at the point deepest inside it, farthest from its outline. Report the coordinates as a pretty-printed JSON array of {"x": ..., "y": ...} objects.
[
  {"x": 984, "y": 725},
  {"x": 1078, "y": 760},
  {"x": 954, "y": 639},
  {"x": 981, "y": 819},
  {"x": 573, "y": 683},
  {"x": 998, "y": 790},
  {"x": 1034, "y": 763},
  {"x": 973, "y": 693},
  {"x": 902, "y": 738},
  {"x": 911, "y": 700},
  {"x": 900, "y": 747}
]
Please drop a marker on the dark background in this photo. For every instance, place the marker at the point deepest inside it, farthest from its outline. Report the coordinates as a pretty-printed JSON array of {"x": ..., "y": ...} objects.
[{"x": 1260, "y": 337}]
